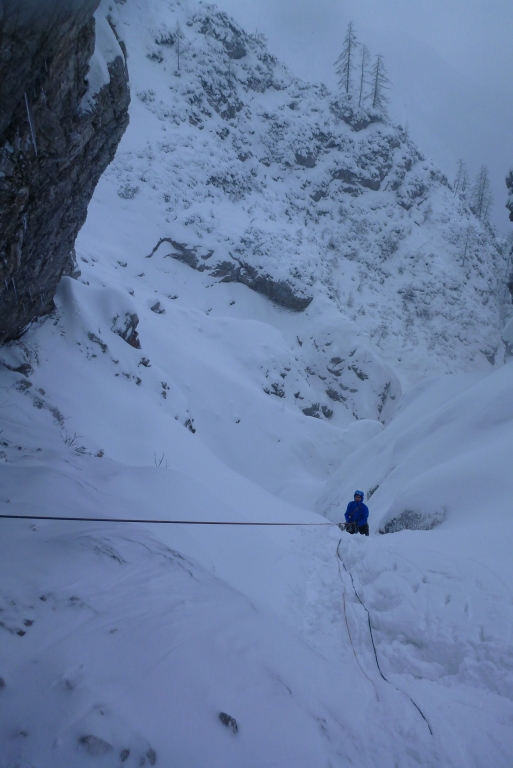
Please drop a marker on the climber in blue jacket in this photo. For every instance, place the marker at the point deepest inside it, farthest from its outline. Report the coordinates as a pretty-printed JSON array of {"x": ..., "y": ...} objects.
[{"x": 357, "y": 514}]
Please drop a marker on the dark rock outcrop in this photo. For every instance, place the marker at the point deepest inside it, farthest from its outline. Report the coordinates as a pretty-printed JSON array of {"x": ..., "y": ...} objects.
[
  {"x": 94, "y": 746},
  {"x": 190, "y": 255},
  {"x": 414, "y": 520},
  {"x": 307, "y": 161},
  {"x": 229, "y": 721},
  {"x": 52, "y": 150},
  {"x": 126, "y": 327},
  {"x": 280, "y": 292}
]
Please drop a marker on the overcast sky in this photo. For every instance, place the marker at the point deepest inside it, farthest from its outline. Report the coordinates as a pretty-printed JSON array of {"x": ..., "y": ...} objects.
[{"x": 450, "y": 62}]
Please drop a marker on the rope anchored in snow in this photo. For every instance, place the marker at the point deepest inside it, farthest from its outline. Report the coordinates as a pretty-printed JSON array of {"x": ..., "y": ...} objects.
[{"x": 421, "y": 713}]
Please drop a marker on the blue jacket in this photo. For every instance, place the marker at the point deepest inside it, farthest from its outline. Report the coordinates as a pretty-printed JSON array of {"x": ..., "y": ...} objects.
[{"x": 357, "y": 512}]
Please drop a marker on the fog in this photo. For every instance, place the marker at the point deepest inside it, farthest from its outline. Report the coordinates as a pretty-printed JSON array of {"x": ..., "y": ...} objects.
[{"x": 450, "y": 63}]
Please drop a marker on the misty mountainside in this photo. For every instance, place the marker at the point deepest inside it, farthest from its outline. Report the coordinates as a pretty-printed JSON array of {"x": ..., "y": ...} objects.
[{"x": 254, "y": 176}]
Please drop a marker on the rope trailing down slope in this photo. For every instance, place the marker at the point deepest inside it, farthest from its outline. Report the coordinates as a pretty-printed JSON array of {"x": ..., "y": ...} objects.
[{"x": 374, "y": 644}]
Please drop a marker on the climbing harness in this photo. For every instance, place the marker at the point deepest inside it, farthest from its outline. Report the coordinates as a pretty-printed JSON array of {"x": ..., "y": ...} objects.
[{"x": 349, "y": 527}]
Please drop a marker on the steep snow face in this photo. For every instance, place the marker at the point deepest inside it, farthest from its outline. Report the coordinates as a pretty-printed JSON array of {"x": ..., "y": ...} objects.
[
  {"x": 257, "y": 177},
  {"x": 439, "y": 486},
  {"x": 446, "y": 456}
]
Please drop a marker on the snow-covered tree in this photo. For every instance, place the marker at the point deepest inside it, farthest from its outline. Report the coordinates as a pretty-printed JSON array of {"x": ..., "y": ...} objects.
[
  {"x": 179, "y": 39},
  {"x": 481, "y": 198},
  {"x": 346, "y": 62},
  {"x": 363, "y": 71},
  {"x": 380, "y": 83},
  {"x": 487, "y": 206},
  {"x": 468, "y": 242},
  {"x": 461, "y": 180}
]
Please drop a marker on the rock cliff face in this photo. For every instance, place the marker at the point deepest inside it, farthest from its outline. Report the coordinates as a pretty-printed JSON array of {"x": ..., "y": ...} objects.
[{"x": 63, "y": 109}]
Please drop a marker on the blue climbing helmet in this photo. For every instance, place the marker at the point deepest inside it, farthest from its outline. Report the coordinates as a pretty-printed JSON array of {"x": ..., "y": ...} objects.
[{"x": 359, "y": 493}]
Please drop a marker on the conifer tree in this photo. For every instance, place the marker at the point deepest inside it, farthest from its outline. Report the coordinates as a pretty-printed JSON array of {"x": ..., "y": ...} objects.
[
  {"x": 481, "y": 198},
  {"x": 461, "y": 180},
  {"x": 346, "y": 62},
  {"x": 363, "y": 73},
  {"x": 380, "y": 83},
  {"x": 467, "y": 243},
  {"x": 178, "y": 38},
  {"x": 487, "y": 206}
]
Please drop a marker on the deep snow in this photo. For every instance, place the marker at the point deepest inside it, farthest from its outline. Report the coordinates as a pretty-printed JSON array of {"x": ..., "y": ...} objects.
[{"x": 121, "y": 637}]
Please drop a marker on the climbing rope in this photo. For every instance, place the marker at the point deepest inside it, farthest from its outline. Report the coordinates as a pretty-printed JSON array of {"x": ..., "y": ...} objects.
[
  {"x": 158, "y": 522},
  {"x": 349, "y": 630},
  {"x": 372, "y": 640}
]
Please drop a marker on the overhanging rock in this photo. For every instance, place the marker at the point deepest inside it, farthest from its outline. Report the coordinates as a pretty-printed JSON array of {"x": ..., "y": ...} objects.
[{"x": 58, "y": 133}]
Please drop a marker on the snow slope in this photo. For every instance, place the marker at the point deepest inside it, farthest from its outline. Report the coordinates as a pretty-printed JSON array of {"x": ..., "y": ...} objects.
[
  {"x": 157, "y": 391},
  {"x": 139, "y": 636}
]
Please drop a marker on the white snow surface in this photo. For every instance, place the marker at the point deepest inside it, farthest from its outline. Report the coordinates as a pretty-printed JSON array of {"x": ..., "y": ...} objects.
[{"x": 121, "y": 643}]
